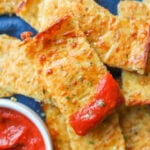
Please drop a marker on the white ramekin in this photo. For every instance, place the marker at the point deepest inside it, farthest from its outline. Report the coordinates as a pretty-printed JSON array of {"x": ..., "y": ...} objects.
[{"x": 32, "y": 116}]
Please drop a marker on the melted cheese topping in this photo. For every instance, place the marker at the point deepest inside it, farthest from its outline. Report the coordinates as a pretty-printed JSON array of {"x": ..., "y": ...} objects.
[
  {"x": 6, "y": 43},
  {"x": 135, "y": 87},
  {"x": 134, "y": 9},
  {"x": 9, "y": 6},
  {"x": 147, "y": 2},
  {"x": 135, "y": 126},
  {"x": 56, "y": 124},
  {"x": 106, "y": 136},
  {"x": 100, "y": 26},
  {"x": 4, "y": 93},
  {"x": 58, "y": 66}
]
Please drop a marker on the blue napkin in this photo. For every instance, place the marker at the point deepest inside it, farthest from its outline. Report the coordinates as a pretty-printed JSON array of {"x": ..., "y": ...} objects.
[{"x": 14, "y": 26}]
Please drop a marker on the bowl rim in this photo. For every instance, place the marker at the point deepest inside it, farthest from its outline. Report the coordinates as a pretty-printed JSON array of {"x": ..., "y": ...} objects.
[{"x": 32, "y": 116}]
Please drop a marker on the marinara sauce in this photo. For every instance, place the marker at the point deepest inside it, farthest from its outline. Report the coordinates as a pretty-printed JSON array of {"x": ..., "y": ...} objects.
[{"x": 17, "y": 132}]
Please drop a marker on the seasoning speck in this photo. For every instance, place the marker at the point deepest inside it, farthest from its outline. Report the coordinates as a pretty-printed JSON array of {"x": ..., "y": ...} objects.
[
  {"x": 91, "y": 142},
  {"x": 13, "y": 99},
  {"x": 67, "y": 97}
]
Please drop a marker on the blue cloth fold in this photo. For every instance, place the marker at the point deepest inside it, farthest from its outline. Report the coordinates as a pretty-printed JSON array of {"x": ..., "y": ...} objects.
[{"x": 14, "y": 26}]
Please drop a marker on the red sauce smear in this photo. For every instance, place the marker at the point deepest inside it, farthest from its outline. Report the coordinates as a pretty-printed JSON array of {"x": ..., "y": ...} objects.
[
  {"x": 107, "y": 98},
  {"x": 18, "y": 133}
]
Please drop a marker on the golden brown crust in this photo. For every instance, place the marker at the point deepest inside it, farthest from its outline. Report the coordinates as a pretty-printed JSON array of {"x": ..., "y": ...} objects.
[
  {"x": 4, "y": 93},
  {"x": 135, "y": 126},
  {"x": 147, "y": 2},
  {"x": 35, "y": 12},
  {"x": 32, "y": 7},
  {"x": 108, "y": 34},
  {"x": 56, "y": 124},
  {"x": 136, "y": 87},
  {"x": 9, "y": 6},
  {"x": 106, "y": 136},
  {"x": 134, "y": 9},
  {"x": 116, "y": 50},
  {"x": 6, "y": 42},
  {"x": 56, "y": 67},
  {"x": 59, "y": 66}
]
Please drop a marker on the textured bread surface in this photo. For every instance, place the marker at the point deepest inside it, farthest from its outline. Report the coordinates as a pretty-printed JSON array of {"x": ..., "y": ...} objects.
[
  {"x": 6, "y": 43},
  {"x": 136, "y": 87},
  {"x": 59, "y": 67},
  {"x": 134, "y": 9},
  {"x": 134, "y": 120},
  {"x": 106, "y": 136},
  {"x": 9, "y": 6},
  {"x": 108, "y": 34},
  {"x": 57, "y": 128},
  {"x": 4, "y": 93},
  {"x": 135, "y": 126},
  {"x": 147, "y": 2}
]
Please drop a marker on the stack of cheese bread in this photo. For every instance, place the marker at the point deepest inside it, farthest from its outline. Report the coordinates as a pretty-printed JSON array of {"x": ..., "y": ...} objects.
[{"x": 62, "y": 65}]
